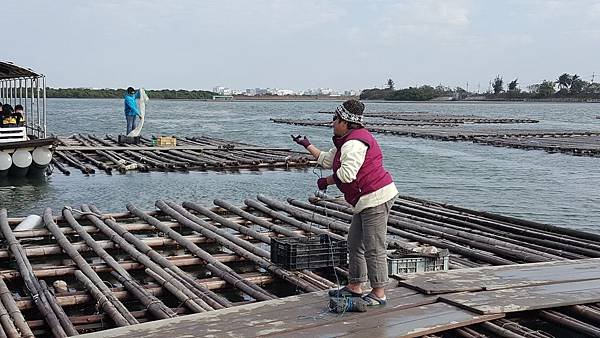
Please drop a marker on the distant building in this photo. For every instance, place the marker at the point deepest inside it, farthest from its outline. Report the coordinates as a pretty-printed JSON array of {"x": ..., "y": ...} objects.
[
  {"x": 222, "y": 97},
  {"x": 283, "y": 92}
]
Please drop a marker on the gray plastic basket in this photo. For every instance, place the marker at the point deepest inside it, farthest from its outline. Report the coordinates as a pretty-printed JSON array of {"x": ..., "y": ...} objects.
[{"x": 414, "y": 262}]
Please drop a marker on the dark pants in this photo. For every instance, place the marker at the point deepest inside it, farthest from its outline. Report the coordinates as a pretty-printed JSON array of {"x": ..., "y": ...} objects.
[
  {"x": 367, "y": 246},
  {"x": 131, "y": 123}
]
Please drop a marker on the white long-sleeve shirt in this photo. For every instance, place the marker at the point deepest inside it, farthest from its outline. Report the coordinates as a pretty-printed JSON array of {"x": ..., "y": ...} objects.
[{"x": 352, "y": 157}]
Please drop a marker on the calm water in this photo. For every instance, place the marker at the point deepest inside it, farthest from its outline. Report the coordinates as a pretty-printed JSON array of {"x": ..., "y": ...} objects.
[{"x": 551, "y": 188}]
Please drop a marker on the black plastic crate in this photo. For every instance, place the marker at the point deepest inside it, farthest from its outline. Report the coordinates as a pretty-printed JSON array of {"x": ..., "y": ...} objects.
[
  {"x": 123, "y": 139},
  {"x": 295, "y": 253}
]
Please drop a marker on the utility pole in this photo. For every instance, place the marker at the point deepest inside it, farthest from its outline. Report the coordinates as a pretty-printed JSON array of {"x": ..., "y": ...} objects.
[{"x": 467, "y": 86}]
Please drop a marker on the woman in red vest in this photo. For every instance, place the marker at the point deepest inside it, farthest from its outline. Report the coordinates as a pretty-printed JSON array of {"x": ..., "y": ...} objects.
[{"x": 357, "y": 163}]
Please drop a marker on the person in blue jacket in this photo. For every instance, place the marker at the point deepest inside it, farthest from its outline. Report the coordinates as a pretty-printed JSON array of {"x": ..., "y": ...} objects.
[{"x": 131, "y": 108}]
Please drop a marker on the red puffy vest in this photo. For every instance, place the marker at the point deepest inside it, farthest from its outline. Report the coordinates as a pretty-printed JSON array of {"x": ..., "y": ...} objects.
[{"x": 371, "y": 176}]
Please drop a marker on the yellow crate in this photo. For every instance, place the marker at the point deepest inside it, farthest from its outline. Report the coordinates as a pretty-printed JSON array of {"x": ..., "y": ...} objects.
[{"x": 166, "y": 141}]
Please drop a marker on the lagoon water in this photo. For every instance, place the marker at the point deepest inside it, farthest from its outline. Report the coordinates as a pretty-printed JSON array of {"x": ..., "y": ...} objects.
[{"x": 550, "y": 188}]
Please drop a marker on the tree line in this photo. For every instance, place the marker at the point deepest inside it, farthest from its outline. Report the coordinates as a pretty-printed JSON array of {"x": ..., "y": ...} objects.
[
  {"x": 87, "y": 93},
  {"x": 566, "y": 86}
]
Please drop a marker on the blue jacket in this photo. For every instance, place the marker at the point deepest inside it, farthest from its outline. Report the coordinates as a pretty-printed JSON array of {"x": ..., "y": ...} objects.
[{"x": 131, "y": 108}]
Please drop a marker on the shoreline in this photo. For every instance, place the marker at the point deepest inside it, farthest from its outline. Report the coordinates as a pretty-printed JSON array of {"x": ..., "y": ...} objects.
[{"x": 342, "y": 98}]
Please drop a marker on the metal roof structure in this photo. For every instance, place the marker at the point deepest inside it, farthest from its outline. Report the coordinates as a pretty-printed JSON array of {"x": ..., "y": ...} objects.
[{"x": 9, "y": 70}]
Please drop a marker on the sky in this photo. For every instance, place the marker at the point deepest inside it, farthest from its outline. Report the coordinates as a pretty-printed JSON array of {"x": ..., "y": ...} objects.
[{"x": 301, "y": 44}]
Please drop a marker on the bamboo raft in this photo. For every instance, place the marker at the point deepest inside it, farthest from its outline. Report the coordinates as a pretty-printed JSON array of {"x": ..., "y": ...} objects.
[
  {"x": 88, "y": 271},
  {"x": 321, "y": 123},
  {"x": 436, "y": 118},
  {"x": 89, "y": 153},
  {"x": 580, "y": 143},
  {"x": 573, "y": 145}
]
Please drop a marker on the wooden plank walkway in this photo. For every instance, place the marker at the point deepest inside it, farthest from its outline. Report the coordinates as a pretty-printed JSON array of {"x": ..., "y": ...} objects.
[
  {"x": 527, "y": 298},
  {"x": 406, "y": 315},
  {"x": 504, "y": 277}
]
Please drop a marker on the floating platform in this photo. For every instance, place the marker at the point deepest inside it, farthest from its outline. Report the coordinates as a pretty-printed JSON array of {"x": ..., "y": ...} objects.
[
  {"x": 89, "y": 153},
  {"x": 579, "y": 143},
  {"x": 436, "y": 118},
  {"x": 25, "y": 157},
  {"x": 409, "y": 313},
  {"x": 85, "y": 271}
]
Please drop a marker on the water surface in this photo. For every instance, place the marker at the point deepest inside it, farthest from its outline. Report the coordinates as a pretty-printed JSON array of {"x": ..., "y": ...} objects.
[{"x": 551, "y": 188}]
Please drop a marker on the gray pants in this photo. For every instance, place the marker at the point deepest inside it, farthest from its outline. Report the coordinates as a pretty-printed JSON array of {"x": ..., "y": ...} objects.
[{"x": 366, "y": 245}]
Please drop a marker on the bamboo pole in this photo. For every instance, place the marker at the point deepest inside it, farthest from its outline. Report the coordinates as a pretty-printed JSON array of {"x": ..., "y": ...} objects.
[
  {"x": 110, "y": 156},
  {"x": 153, "y": 304},
  {"x": 233, "y": 243},
  {"x": 500, "y": 331},
  {"x": 514, "y": 220},
  {"x": 294, "y": 222},
  {"x": 7, "y": 325},
  {"x": 58, "y": 310},
  {"x": 266, "y": 224},
  {"x": 208, "y": 299},
  {"x": 60, "y": 167},
  {"x": 213, "y": 265},
  {"x": 101, "y": 165},
  {"x": 13, "y": 310},
  {"x": 107, "y": 305},
  {"x": 29, "y": 279},
  {"x": 219, "y": 219},
  {"x": 568, "y": 322},
  {"x": 538, "y": 248},
  {"x": 60, "y": 271},
  {"x": 400, "y": 227},
  {"x": 52, "y": 249},
  {"x": 256, "y": 220},
  {"x": 492, "y": 228},
  {"x": 147, "y": 160},
  {"x": 309, "y": 216},
  {"x": 80, "y": 297},
  {"x": 486, "y": 241},
  {"x": 42, "y": 232},
  {"x": 85, "y": 268},
  {"x": 465, "y": 332},
  {"x": 73, "y": 162},
  {"x": 186, "y": 296},
  {"x": 517, "y": 231},
  {"x": 586, "y": 312},
  {"x": 520, "y": 329}
]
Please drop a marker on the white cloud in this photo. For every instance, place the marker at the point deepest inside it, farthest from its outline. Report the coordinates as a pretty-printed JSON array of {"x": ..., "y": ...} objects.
[{"x": 408, "y": 19}]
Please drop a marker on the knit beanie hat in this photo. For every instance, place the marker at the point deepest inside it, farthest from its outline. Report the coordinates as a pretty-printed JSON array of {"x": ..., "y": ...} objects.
[{"x": 351, "y": 111}]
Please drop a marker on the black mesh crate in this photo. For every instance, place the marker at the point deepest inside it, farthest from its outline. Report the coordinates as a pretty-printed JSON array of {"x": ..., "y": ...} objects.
[
  {"x": 123, "y": 139},
  {"x": 294, "y": 253}
]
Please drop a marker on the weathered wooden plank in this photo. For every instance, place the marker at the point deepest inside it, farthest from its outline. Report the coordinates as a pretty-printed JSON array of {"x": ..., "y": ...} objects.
[
  {"x": 527, "y": 298},
  {"x": 280, "y": 315},
  {"x": 410, "y": 322},
  {"x": 311, "y": 308},
  {"x": 505, "y": 276}
]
